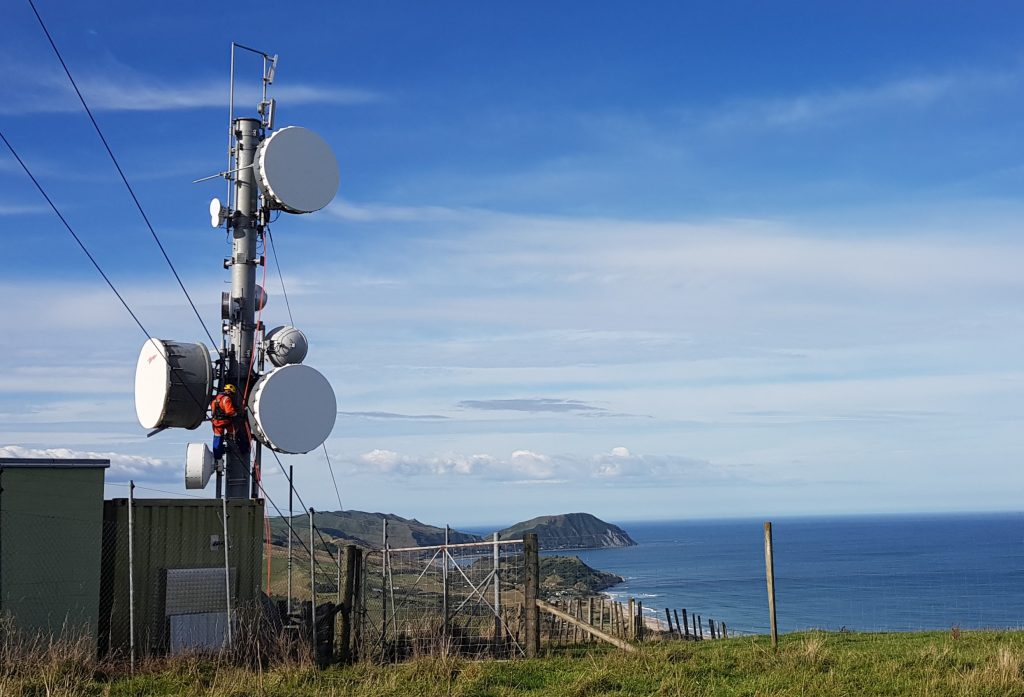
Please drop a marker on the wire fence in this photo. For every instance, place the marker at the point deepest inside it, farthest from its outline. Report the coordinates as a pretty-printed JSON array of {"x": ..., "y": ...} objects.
[
  {"x": 464, "y": 599},
  {"x": 588, "y": 596}
]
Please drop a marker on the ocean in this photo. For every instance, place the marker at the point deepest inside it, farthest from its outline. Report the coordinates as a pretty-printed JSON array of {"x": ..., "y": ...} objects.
[{"x": 892, "y": 573}]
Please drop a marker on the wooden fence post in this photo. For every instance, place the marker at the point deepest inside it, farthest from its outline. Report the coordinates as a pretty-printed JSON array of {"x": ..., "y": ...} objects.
[
  {"x": 769, "y": 567},
  {"x": 686, "y": 626},
  {"x": 632, "y": 628},
  {"x": 530, "y": 593},
  {"x": 639, "y": 620},
  {"x": 578, "y": 615},
  {"x": 358, "y": 605},
  {"x": 348, "y": 583}
]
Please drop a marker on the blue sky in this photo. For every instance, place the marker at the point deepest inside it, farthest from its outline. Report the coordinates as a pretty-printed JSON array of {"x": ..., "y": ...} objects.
[{"x": 674, "y": 260}]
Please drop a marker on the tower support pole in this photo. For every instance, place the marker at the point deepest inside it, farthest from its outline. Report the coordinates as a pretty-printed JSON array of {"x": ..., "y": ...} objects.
[{"x": 241, "y": 326}]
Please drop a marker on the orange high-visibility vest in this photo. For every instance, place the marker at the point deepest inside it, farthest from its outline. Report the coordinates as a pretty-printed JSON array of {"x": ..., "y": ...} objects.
[{"x": 223, "y": 412}]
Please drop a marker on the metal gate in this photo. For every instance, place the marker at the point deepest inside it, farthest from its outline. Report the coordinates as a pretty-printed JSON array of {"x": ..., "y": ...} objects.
[{"x": 464, "y": 599}]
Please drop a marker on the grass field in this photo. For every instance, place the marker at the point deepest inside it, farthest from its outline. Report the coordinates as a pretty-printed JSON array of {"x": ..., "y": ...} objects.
[{"x": 934, "y": 664}]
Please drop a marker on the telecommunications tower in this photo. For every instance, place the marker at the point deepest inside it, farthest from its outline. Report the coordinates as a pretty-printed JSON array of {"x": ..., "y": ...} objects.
[{"x": 291, "y": 407}]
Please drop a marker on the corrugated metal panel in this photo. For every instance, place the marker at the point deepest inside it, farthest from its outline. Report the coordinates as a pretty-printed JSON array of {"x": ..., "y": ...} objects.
[{"x": 172, "y": 534}]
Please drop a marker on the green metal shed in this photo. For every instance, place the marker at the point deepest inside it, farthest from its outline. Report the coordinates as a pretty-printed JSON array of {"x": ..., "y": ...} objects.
[
  {"x": 51, "y": 528},
  {"x": 179, "y": 579}
]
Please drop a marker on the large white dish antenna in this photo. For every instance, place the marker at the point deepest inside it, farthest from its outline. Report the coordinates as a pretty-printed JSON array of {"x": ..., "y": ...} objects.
[
  {"x": 173, "y": 382},
  {"x": 198, "y": 465},
  {"x": 296, "y": 169},
  {"x": 286, "y": 346},
  {"x": 292, "y": 409}
]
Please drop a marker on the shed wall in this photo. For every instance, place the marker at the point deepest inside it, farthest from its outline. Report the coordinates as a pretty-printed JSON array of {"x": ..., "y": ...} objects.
[
  {"x": 174, "y": 534},
  {"x": 51, "y": 522}
]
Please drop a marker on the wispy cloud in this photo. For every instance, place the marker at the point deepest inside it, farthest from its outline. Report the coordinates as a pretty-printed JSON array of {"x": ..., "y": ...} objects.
[
  {"x": 830, "y": 105},
  {"x": 122, "y": 89},
  {"x": 376, "y": 212},
  {"x": 20, "y": 209},
  {"x": 388, "y": 416},
  {"x": 531, "y": 405}
]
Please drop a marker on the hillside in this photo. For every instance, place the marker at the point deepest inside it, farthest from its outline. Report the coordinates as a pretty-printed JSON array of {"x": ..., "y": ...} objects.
[
  {"x": 566, "y": 531},
  {"x": 365, "y": 529},
  {"x": 570, "y": 531},
  {"x": 569, "y": 575}
]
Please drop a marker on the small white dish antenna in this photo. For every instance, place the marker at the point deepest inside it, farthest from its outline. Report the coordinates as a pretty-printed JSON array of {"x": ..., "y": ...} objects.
[
  {"x": 198, "y": 465},
  {"x": 296, "y": 170},
  {"x": 292, "y": 409},
  {"x": 285, "y": 346},
  {"x": 218, "y": 213}
]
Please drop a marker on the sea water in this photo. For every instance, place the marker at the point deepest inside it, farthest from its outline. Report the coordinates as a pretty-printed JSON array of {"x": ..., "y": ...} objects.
[{"x": 895, "y": 573}]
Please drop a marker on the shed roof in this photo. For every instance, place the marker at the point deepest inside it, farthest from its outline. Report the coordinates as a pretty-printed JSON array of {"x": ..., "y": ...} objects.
[{"x": 52, "y": 462}]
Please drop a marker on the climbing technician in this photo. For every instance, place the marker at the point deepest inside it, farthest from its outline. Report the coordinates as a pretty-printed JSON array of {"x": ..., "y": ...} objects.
[{"x": 223, "y": 415}]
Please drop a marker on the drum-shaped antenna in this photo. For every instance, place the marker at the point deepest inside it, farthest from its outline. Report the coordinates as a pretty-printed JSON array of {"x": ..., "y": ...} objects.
[
  {"x": 198, "y": 465},
  {"x": 296, "y": 169},
  {"x": 292, "y": 409},
  {"x": 173, "y": 382}
]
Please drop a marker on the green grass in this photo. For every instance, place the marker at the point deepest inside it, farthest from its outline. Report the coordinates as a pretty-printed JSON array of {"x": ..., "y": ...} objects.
[{"x": 934, "y": 664}]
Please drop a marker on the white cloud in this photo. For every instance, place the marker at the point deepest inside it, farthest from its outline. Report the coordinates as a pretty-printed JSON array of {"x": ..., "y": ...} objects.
[
  {"x": 120, "y": 465},
  {"x": 526, "y": 464},
  {"x": 523, "y": 466},
  {"x": 382, "y": 460},
  {"x": 390, "y": 462}
]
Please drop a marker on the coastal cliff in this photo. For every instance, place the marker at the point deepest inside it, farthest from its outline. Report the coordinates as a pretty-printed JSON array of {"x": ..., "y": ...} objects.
[{"x": 570, "y": 531}]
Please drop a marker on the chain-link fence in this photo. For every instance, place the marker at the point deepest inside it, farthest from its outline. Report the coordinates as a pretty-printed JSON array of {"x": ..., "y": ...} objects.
[
  {"x": 464, "y": 599},
  {"x": 305, "y": 569},
  {"x": 180, "y": 575}
]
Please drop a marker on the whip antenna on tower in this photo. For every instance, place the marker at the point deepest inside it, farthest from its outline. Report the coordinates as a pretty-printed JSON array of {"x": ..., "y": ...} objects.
[{"x": 291, "y": 407}]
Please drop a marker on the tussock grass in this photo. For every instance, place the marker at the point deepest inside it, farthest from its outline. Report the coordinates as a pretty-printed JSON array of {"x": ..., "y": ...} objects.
[{"x": 937, "y": 664}]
